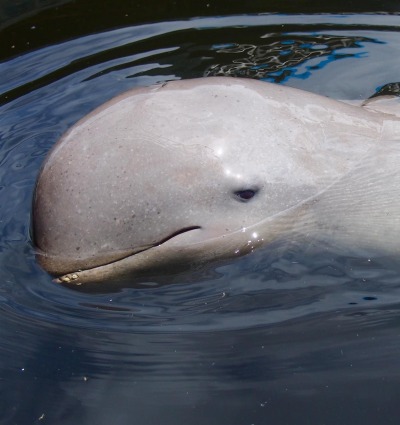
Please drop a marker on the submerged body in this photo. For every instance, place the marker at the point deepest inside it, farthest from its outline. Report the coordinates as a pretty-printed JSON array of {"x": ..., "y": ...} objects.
[{"x": 168, "y": 178}]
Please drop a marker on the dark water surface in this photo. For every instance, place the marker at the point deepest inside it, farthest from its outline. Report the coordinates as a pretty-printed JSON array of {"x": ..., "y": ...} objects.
[{"x": 261, "y": 341}]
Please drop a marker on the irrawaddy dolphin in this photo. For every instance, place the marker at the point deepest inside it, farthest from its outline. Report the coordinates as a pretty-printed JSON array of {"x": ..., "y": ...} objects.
[{"x": 169, "y": 178}]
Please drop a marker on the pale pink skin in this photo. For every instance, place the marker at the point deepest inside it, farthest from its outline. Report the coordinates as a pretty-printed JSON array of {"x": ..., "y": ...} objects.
[{"x": 145, "y": 185}]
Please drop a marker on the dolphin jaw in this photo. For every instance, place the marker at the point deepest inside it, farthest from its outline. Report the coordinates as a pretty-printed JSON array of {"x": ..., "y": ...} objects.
[{"x": 57, "y": 265}]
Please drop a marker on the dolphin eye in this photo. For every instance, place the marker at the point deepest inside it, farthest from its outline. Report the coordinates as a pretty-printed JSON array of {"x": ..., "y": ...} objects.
[{"x": 245, "y": 195}]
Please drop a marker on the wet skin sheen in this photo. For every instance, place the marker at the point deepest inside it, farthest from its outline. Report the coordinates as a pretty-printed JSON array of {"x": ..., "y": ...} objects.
[{"x": 166, "y": 179}]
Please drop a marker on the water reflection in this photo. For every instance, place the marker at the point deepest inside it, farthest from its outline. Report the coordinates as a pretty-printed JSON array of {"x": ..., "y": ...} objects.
[
  {"x": 389, "y": 89},
  {"x": 271, "y": 338},
  {"x": 12, "y": 11},
  {"x": 282, "y": 54}
]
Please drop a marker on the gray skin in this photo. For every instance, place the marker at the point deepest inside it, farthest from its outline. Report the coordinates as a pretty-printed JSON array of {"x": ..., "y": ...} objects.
[{"x": 154, "y": 182}]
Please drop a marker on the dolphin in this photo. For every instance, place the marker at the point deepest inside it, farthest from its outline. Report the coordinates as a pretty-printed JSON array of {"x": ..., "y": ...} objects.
[{"x": 167, "y": 179}]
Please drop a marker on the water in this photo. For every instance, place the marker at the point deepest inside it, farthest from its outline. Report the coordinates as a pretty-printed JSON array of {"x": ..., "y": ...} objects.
[{"x": 280, "y": 340}]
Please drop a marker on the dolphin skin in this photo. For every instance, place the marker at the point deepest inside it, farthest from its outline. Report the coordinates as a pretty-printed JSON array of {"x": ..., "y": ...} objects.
[{"x": 165, "y": 179}]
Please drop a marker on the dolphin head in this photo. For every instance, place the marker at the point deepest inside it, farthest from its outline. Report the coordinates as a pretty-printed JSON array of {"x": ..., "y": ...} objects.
[{"x": 166, "y": 175}]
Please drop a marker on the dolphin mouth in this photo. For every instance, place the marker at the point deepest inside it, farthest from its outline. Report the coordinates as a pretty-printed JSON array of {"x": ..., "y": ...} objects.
[
  {"x": 60, "y": 266},
  {"x": 175, "y": 234},
  {"x": 70, "y": 276}
]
